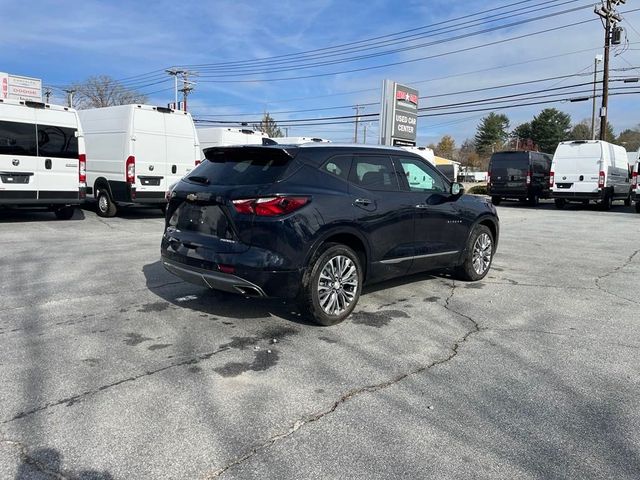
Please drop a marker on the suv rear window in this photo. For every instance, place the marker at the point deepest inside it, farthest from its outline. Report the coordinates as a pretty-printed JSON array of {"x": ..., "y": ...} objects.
[{"x": 243, "y": 166}]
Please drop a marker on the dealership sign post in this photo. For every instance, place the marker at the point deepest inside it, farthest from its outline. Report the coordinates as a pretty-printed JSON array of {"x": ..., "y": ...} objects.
[
  {"x": 20, "y": 88},
  {"x": 398, "y": 116}
]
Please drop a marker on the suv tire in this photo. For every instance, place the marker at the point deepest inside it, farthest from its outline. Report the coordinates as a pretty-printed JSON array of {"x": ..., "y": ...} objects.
[
  {"x": 332, "y": 285},
  {"x": 478, "y": 255},
  {"x": 496, "y": 200},
  {"x": 106, "y": 207}
]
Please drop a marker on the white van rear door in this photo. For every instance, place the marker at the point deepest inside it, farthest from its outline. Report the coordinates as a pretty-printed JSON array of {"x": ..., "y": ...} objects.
[
  {"x": 182, "y": 146},
  {"x": 18, "y": 161},
  {"x": 149, "y": 148},
  {"x": 576, "y": 167},
  {"x": 57, "y": 154}
]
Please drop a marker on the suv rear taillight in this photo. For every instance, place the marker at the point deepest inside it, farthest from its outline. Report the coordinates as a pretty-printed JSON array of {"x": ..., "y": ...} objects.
[
  {"x": 82, "y": 170},
  {"x": 601, "y": 180},
  {"x": 529, "y": 178},
  {"x": 634, "y": 180},
  {"x": 270, "y": 206},
  {"x": 131, "y": 170},
  {"x": 198, "y": 162},
  {"x": 551, "y": 179},
  {"x": 488, "y": 179}
]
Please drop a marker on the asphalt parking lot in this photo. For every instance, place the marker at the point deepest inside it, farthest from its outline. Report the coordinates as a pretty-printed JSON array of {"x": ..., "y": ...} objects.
[{"x": 111, "y": 368}]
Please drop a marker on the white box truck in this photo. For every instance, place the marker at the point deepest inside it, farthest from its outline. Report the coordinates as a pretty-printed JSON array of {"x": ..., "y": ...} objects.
[
  {"x": 228, "y": 136},
  {"x": 590, "y": 170},
  {"x": 135, "y": 152},
  {"x": 42, "y": 157}
]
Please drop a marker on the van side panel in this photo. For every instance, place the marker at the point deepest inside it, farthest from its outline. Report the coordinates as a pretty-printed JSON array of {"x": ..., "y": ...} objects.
[{"x": 619, "y": 177}]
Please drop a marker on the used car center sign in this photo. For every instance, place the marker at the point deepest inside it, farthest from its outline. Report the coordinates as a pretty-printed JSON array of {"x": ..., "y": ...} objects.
[
  {"x": 20, "y": 88},
  {"x": 398, "y": 118}
]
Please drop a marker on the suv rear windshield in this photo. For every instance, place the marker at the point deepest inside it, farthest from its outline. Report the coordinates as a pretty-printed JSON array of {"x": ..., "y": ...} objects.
[
  {"x": 243, "y": 166},
  {"x": 508, "y": 163}
]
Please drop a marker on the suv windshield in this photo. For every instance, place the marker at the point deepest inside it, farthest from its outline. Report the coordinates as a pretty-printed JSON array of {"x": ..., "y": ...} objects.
[{"x": 242, "y": 166}]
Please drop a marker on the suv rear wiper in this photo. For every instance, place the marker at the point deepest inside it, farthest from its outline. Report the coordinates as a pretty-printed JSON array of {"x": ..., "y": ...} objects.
[{"x": 199, "y": 179}]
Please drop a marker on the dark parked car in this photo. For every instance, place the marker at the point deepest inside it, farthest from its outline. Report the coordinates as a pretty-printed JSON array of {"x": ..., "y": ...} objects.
[
  {"x": 315, "y": 222},
  {"x": 519, "y": 175}
]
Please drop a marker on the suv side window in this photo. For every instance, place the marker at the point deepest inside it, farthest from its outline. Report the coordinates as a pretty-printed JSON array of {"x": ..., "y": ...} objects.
[
  {"x": 17, "y": 138},
  {"x": 373, "y": 172},
  {"x": 420, "y": 176},
  {"x": 338, "y": 166}
]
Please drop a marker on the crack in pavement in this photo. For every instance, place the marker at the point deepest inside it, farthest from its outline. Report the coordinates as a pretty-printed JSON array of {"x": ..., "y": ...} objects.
[
  {"x": 77, "y": 398},
  {"x": 26, "y": 458},
  {"x": 615, "y": 270},
  {"x": 298, "y": 424}
]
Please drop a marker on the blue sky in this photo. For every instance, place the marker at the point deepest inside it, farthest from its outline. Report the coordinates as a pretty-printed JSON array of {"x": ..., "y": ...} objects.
[{"x": 64, "y": 42}]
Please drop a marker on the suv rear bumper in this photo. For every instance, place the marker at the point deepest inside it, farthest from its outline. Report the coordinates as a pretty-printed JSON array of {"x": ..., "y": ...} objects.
[{"x": 245, "y": 281}]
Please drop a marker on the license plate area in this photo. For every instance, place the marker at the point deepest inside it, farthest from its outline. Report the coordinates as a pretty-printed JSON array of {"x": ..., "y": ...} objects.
[
  {"x": 564, "y": 185},
  {"x": 15, "y": 178},
  {"x": 150, "y": 181},
  {"x": 207, "y": 220}
]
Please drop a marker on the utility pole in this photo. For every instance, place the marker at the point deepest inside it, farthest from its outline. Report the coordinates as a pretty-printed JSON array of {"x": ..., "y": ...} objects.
[
  {"x": 597, "y": 60},
  {"x": 47, "y": 94},
  {"x": 70, "y": 93},
  {"x": 610, "y": 20},
  {"x": 186, "y": 88},
  {"x": 357, "y": 108},
  {"x": 175, "y": 72}
]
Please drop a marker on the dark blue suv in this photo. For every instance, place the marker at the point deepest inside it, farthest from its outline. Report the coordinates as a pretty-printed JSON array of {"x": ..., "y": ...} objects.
[{"x": 315, "y": 222}]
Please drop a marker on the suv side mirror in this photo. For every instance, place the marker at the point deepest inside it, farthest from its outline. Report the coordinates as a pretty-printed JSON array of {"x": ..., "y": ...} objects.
[{"x": 457, "y": 189}]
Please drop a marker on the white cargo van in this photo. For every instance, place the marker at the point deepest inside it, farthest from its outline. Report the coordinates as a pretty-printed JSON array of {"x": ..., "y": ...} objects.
[
  {"x": 226, "y": 136},
  {"x": 635, "y": 186},
  {"x": 590, "y": 170},
  {"x": 42, "y": 157},
  {"x": 135, "y": 152}
]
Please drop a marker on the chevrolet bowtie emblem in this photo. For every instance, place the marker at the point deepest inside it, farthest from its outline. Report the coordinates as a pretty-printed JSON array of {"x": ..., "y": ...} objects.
[{"x": 192, "y": 197}]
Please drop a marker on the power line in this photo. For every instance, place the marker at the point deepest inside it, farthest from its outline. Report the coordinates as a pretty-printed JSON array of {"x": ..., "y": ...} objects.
[{"x": 404, "y": 62}]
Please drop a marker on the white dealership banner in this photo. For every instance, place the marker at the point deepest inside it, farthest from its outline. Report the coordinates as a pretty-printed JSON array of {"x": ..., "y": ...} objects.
[{"x": 20, "y": 88}]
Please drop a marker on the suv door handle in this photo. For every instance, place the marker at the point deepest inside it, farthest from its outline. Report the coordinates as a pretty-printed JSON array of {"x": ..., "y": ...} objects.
[{"x": 362, "y": 201}]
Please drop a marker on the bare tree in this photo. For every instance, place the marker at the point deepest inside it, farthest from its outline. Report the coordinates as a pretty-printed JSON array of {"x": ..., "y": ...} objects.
[{"x": 104, "y": 91}]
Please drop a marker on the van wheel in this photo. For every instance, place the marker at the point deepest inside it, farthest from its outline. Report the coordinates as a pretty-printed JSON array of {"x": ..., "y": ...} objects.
[
  {"x": 627, "y": 201},
  {"x": 606, "y": 202},
  {"x": 534, "y": 200},
  {"x": 496, "y": 200},
  {"x": 65, "y": 213},
  {"x": 560, "y": 203},
  {"x": 478, "y": 256},
  {"x": 332, "y": 285},
  {"x": 106, "y": 206},
  {"x": 637, "y": 207}
]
